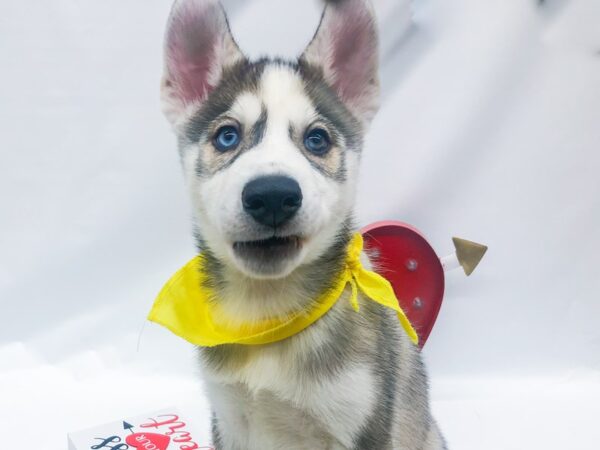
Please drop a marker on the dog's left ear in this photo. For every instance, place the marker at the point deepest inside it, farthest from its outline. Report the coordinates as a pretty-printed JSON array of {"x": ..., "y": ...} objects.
[
  {"x": 345, "y": 49},
  {"x": 199, "y": 47}
]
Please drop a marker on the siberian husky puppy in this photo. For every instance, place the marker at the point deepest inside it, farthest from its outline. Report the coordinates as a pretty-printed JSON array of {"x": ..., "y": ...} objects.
[{"x": 270, "y": 151}]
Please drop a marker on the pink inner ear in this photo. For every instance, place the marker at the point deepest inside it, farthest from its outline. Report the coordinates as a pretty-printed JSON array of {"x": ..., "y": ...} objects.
[
  {"x": 354, "y": 50},
  {"x": 194, "y": 35}
]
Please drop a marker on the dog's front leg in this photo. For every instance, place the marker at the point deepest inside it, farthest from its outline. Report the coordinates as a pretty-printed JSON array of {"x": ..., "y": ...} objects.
[{"x": 230, "y": 421}]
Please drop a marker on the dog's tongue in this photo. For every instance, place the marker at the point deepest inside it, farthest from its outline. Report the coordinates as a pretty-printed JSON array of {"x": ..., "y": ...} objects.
[{"x": 402, "y": 255}]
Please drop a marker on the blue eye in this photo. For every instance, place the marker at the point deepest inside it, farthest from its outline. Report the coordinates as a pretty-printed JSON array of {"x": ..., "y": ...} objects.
[
  {"x": 226, "y": 138},
  {"x": 317, "y": 141}
]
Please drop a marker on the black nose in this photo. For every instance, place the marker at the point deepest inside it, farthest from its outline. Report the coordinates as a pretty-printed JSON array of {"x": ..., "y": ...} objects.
[{"x": 272, "y": 200}]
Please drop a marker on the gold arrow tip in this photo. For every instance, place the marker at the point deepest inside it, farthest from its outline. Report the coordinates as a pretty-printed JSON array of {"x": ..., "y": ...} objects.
[{"x": 469, "y": 254}]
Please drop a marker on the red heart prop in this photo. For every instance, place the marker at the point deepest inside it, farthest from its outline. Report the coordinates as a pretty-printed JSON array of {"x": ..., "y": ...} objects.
[
  {"x": 402, "y": 255},
  {"x": 148, "y": 441}
]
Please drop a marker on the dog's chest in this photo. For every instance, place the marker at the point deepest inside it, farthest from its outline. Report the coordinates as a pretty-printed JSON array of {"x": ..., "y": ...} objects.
[
  {"x": 270, "y": 394},
  {"x": 293, "y": 374}
]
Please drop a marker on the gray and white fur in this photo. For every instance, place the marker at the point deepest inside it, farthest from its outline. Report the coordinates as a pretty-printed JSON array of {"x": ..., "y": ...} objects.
[{"x": 270, "y": 151}]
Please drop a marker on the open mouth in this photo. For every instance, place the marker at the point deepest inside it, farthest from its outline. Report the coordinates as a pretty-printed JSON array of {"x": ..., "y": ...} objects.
[{"x": 267, "y": 250}]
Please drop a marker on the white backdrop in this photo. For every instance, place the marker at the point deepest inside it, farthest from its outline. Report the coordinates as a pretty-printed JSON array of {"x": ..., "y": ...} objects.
[{"x": 489, "y": 130}]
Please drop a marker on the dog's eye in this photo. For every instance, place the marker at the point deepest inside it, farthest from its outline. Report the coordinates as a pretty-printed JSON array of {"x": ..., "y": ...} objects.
[
  {"x": 317, "y": 141},
  {"x": 226, "y": 138}
]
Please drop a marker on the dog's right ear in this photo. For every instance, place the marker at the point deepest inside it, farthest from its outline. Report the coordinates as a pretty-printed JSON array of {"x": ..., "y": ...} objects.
[{"x": 198, "y": 47}]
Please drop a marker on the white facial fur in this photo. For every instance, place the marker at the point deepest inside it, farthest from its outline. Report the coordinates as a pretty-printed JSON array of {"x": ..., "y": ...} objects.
[{"x": 217, "y": 199}]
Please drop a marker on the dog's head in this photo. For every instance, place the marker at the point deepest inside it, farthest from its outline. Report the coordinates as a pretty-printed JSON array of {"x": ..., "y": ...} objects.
[{"x": 270, "y": 149}]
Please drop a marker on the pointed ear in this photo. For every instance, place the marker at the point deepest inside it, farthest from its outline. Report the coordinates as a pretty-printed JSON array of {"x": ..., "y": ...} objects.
[
  {"x": 198, "y": 48},
  {"x": 345, "y": 48}
]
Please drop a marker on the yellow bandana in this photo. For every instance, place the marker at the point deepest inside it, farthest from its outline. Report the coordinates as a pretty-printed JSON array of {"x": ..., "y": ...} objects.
[{"x": 184, "y": 305}]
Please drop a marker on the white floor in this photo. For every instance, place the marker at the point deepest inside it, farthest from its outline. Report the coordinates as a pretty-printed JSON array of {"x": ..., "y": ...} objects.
[
  {"x": 520, "y": 413},
  {"x": 41, "y": 402}
]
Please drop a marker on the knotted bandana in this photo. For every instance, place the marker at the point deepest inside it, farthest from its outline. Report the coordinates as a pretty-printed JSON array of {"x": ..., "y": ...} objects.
[{"x": 186, "y": 306}]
